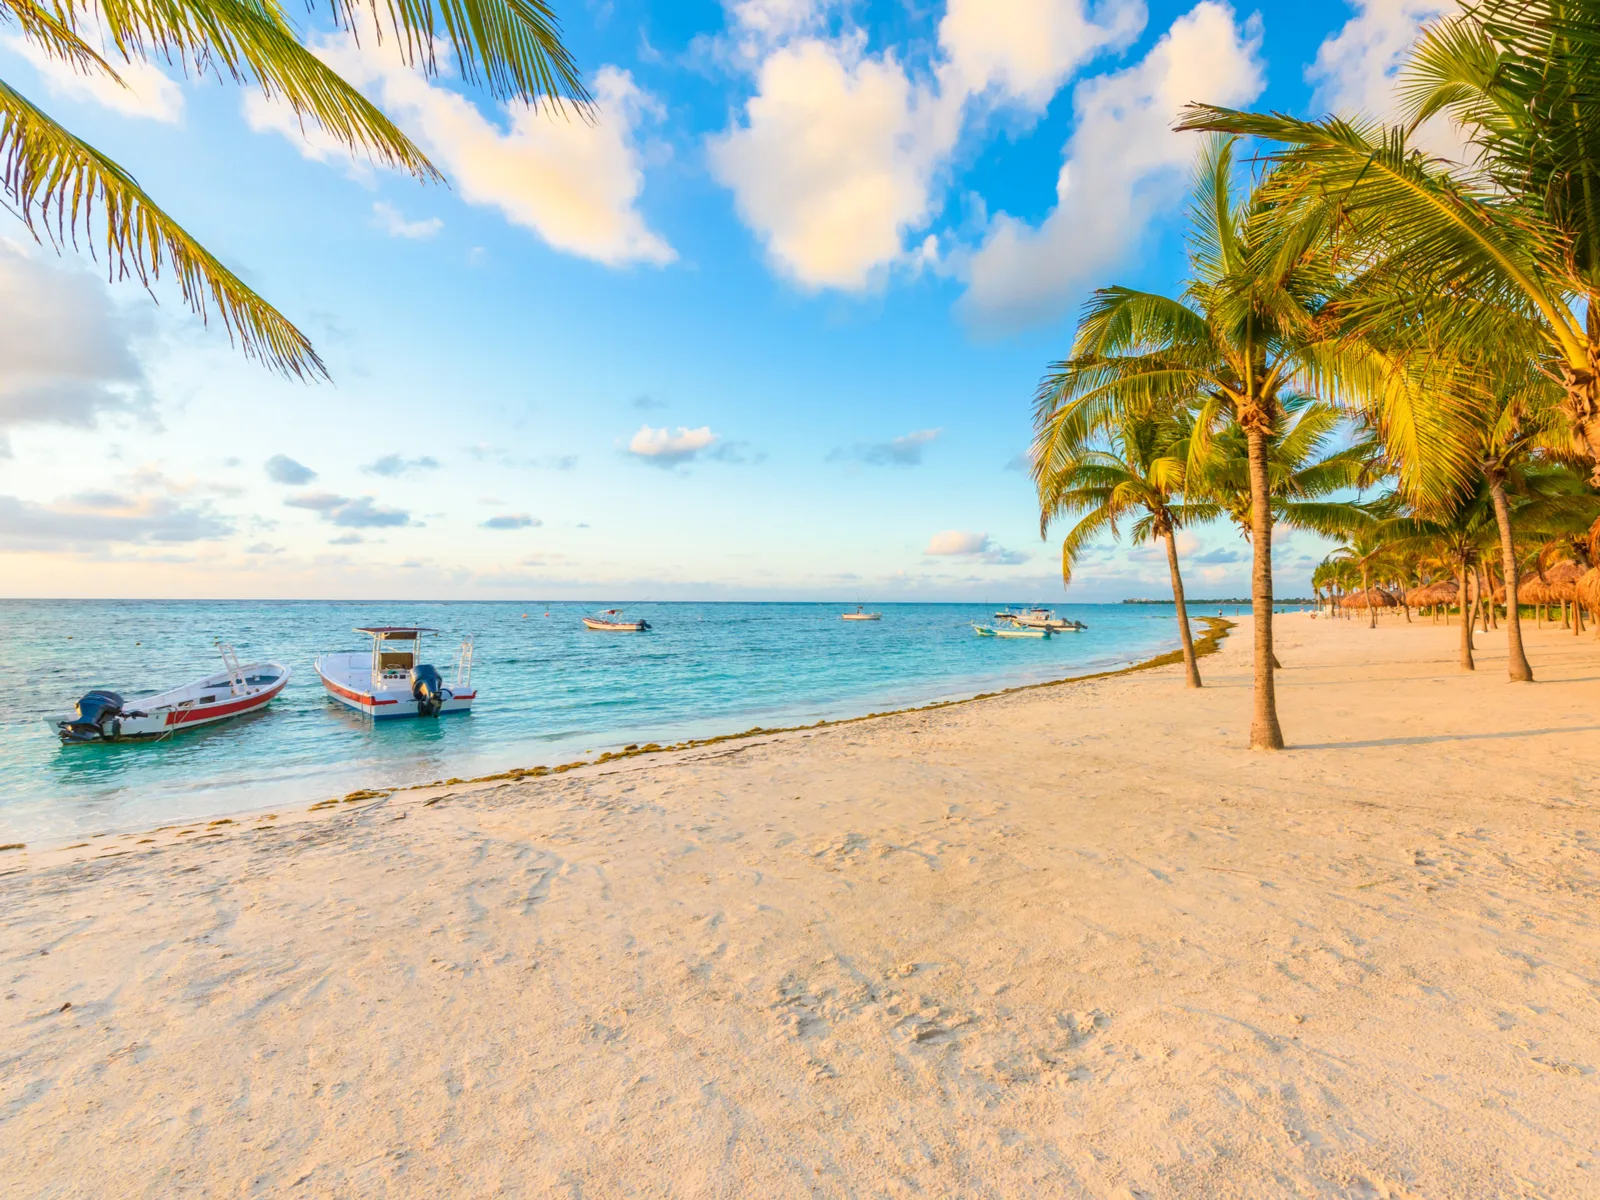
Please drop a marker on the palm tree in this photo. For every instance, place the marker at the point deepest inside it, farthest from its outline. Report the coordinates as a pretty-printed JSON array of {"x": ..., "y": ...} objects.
[
  {"x": 1306, "y": 465},
  {"x": 1365, "y": 549},
  {"x": 67, "y": 189},
  {"x": 1247, "y": 334},
  {"x": 1135, "y": 467},
  {"x": 1513, "y": 235}
]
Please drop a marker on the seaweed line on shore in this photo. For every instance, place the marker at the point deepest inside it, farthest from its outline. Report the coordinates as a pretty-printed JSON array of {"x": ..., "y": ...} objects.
[{"x": 1206, "y": 644}]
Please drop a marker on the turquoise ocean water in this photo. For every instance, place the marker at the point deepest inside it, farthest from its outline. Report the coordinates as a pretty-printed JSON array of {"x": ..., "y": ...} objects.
[{"x": 549, "y": 691}]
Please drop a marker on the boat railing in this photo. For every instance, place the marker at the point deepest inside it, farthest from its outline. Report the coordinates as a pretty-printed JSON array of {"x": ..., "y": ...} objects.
[
  {"x": 464, "y": 663},
  {"x": 230, "y": 659}
]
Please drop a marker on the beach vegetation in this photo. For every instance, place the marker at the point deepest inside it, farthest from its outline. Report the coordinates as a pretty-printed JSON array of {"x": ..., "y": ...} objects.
[
  {"x": 1135, "y": 468},
  {"x": 69, "y": 191},
  {"x": 1248, "y": 336}
]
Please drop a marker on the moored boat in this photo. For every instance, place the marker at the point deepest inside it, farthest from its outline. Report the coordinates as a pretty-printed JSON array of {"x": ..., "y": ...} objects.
[
  {"x": 610, "y": 621},
  {"x": 1046, "y": 619},
  {"x": 391, "y": 680},
  {"x": 860, "y": 614},
  {"x": 104, "y": 716},
  {"x": 1022, "y": 631}
]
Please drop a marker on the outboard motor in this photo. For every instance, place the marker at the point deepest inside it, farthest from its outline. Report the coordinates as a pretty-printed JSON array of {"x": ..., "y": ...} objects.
[
  {"x": 428, "y": 690},
  {"x": 96, "y": 718}
]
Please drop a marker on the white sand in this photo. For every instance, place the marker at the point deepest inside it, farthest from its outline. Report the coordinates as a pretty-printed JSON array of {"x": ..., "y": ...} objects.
[{"x": 1069, "y": 942}]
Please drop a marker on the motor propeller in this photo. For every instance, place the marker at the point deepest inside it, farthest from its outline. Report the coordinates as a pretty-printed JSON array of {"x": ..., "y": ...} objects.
[
  {"x": 94, "y": 711},
  {"x": 428, "y": 690}
]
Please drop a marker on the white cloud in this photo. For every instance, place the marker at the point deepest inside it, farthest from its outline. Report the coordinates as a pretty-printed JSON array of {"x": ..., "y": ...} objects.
[
  {"x": 66, "y": 353},
  {"x": 283, "y": 469},
  {"x": 94, "y": 518},
  {"x": 663, "y": 448},
  {"x": 574, "y": 183},
  {"x": 1356, "y": 67},
  {"x": 979, "y": 547},
  {"x": 389, "y": 219},
  {"x": 361, "y": 512},
  {"x": 834, "y": 160},
  {"x": 1029, "y": 48},
  {"x": 144, "y": 91},
  {"x": 1123, "y": 164},
  {"x": 956, "y": 541}
]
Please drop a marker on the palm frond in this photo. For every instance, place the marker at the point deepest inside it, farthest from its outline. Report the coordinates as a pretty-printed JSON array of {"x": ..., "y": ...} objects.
[{"x": 67, "y": 188}]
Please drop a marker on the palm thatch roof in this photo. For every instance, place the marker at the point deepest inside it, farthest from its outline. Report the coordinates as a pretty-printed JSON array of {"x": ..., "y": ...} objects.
[
  {"x": 1588, "y": 588},
  {"x": 1372, "y": 597},
  {"x": 1442, "y": 591},
  {"x": 1563, "y": 577},
  {"x": 1559, "y": 583}
]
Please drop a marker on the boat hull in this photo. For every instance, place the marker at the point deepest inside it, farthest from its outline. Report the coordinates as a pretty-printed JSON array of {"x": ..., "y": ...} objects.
[
  {"x": 615, "y": 626},
  {"x": 390, "y": 702},
  {"x": 189, "y": 707},
  {"x": 862, "y": 617}
]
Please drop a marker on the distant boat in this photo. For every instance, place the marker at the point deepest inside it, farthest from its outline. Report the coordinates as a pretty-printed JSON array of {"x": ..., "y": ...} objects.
[
  {"x": 103, "y": 716},
  {"x": 1046, "y": 619},
  {"x": 983, "y": 630},
  {"x": 391, "y": 680},
  {"x": 860, "y": 614},
  {"x": 610, "y": 621},
  {"x": 1022, "y": 631}
]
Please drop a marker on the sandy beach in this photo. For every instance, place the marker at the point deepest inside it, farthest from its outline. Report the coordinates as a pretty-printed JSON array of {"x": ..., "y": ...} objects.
[{"x": 1075, "y": 941}]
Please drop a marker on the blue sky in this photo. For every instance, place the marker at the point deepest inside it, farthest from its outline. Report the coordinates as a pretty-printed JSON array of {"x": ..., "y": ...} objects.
[{"x": 769, "y": 328}]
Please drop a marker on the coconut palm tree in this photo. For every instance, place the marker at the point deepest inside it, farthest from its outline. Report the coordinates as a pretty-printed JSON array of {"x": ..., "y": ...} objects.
[
  {"x": 1366, "y": 547},
  {"x": 1247, "y": 334},
  {"x": 63, "y": 187},
  {"x": 1515, "y": 234},
  {"x": 1308, "y": 462},
  {"x": 1132, "y": 469}
]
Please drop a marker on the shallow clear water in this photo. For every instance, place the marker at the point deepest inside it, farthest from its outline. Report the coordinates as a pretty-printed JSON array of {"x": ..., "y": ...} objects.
[{"x": 548, "y": 691}]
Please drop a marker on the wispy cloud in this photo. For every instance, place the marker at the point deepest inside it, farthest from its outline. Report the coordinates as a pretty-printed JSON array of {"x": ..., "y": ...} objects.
[
  {"x": 67, "y": 352},
  {"x": 389, "y": 219},
  {"x": 360, "y": 512},
  {"x": 663, "y": 448},
  {"x": 977, "y": 547},
  {"x": 648, "y": 402},
  {"x": 283, "y": 469},
  {"x": 484, "y": 452},
  {"x": 512, "y": 521},
  {"x": 896, "y": 452},
  {"x": 392, "y": 465},
  {"x": 103, "y": 517}
]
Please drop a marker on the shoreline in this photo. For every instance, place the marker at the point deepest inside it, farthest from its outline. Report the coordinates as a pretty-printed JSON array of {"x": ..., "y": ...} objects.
[
  {"x": 1075, "y": 939},
  {"x": 1206, "y": 643}
]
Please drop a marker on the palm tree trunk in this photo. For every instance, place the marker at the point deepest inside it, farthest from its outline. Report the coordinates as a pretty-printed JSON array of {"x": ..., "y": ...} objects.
[
  {"x": 1190, "y": 665},
  {"x": 1517, "y": 663},
  {"x": 1466, "y": 623},
  {"x": 1366, "y": 590},
  {"x": 1265, "y": 733}
]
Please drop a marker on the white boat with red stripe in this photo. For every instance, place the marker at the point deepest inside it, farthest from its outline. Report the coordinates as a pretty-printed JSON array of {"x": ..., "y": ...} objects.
[
  {"x": 391, "y": 680},
  {"x": 104, "y": 716}
]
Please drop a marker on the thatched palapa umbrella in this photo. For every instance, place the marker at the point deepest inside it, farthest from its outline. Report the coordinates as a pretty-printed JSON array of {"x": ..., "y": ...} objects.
[
  {"x": 1372, "y": 597},
  {"x": 1588, "y": 590}
]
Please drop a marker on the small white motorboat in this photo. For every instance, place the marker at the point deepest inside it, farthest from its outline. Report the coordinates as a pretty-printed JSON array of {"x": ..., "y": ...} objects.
[
  {"x": 1045, "y": 618},
  {"x": 610, "y": 621},
  {"x": 104, "y": 716},
  {"x": 860, "y": 614},
  {"x": 391, "y": 680},
  {"x": 1021, "y": 631}
]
